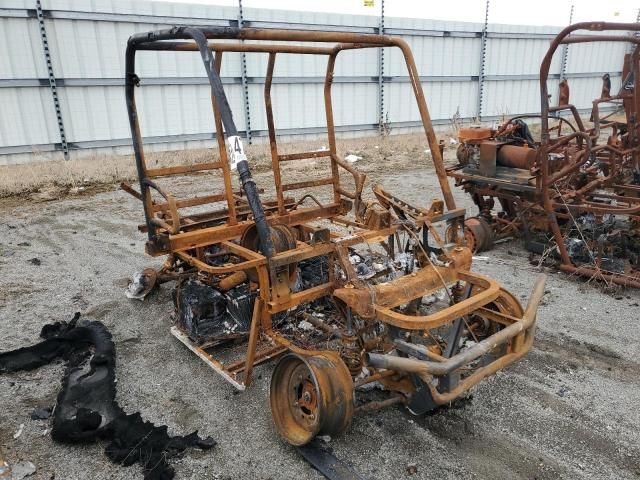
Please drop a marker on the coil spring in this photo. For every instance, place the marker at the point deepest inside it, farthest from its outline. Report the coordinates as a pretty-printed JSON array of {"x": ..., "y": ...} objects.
[{"x": 351, "y": 356}]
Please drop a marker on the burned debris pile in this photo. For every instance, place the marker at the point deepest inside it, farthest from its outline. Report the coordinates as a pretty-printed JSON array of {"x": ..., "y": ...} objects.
[
  {"x": 86, "y": 409},
  {"x": 573, "y": 195}
]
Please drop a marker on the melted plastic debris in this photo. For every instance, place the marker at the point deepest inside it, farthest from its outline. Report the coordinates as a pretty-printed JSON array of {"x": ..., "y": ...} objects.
[
  {"x": 142, "y": 284},
  {"x": 86, "y": 409}
]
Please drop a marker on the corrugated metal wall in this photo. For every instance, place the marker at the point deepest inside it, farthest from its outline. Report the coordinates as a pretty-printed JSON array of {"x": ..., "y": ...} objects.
[{"x": 87, "y": 43}]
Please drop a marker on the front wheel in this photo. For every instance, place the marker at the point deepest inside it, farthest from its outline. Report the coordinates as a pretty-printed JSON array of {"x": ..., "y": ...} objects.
[{"x": 311, "y": 395}]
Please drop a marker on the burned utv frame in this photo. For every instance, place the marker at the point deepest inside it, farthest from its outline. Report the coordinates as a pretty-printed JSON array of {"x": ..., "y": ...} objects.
[
  {"x": 576, "y": 192},
  {"x": 345, "y": 293}
]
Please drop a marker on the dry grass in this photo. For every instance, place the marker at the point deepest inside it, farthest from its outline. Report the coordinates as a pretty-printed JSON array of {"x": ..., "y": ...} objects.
[
  {"x": 57, "y": 178},
  {"x": 74, "y": 175}
]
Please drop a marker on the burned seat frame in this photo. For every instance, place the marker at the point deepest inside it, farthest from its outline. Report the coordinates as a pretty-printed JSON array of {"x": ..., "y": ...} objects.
[{"x": 312, "y": 389}]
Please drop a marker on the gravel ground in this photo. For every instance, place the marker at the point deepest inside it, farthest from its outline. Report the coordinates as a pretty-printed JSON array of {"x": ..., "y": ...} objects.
[{"x": 568, "y": 410}]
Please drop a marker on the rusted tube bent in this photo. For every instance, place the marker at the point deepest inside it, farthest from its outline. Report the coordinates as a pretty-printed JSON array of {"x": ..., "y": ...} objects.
[{"x": 427, "y": 368}]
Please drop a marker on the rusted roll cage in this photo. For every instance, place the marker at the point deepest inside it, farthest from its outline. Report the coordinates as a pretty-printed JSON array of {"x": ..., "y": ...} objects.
[
  {"x": 162, "y": 41},
  {"x": 263, "y": 245},
  {"x": 542, "y": 192},
  {"x": 547, "y": 180}
]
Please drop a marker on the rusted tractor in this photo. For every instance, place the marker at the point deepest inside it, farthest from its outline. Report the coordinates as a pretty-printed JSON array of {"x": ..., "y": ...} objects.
[
  {"x": 574, "y": 194},
  {"x": 349, "y": 295}
]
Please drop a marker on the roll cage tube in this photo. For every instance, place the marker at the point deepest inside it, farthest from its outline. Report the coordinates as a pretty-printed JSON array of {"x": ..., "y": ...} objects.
[
  {"x": 546, "y": 180},
  {"x": 236, "y": 149},
  {"x": 171, "y": 40},
  {"x": 560, "y": 39},
  {"x": 564, "y": 38}
]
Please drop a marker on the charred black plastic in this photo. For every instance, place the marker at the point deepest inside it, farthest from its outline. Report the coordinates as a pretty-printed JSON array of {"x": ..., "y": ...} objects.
[{"x": 86, "y": 409}]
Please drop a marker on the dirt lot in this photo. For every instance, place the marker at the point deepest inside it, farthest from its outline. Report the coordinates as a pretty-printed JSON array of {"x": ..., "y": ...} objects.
[{"x": 568, "y": 410}]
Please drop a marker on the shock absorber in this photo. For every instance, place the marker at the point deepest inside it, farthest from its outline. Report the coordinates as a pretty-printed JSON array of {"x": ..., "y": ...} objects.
[{"x": 350, "y": 352}]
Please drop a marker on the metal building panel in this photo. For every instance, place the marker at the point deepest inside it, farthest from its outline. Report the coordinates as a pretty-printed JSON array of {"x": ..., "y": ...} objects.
[
  {"x": 355, "y": 103},
  {"x": 17, "y": 4},
  {"x": 596, "y": 57},
  {"x": 444, "y": 99},
  {"x": 187, "y": 111},
  {"x": 447, "y": 55},
  {"x": 100, "y": 45},
  {"x": 518, "y": 56},
  {"x": 323, "y": 20},
  {"x": 82, "y": 118},
  {"x": 27, "y": 117},
  {"x": 356, "y": 63},
  {"x": 510, "y": 97},
  {"x": 21, "y": 54},
  {"x": 436, "y": 56},
  {"x": 584, "y": 90},
  {"x": 430, "y": 25},
  {"x": 142, "y": 7},
  {"x": 256, "y": 106},
  {"x": 99, "y": 48},
  {"x": 297, "y": 106},
  {"x": 303, "y": 105}
]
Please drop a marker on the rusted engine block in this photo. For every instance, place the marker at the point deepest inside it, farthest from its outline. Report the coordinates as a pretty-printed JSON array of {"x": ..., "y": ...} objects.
[
  {"x": 347, "y": 294},
  {"x": 574, "y": 194}
]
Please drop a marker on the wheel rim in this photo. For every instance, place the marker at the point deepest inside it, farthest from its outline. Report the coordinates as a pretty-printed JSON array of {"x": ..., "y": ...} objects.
[
  {"x": 478, "y": 234},
  {"x": 507, "y": 304},
  {"x": 310, "y": 396},
  {"x": 302, "y": 398},
  {"x": 470, "y": 240}
]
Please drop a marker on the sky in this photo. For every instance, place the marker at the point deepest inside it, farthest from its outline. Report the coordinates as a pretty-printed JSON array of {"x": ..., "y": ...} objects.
[{"x": 531, "y": 12}]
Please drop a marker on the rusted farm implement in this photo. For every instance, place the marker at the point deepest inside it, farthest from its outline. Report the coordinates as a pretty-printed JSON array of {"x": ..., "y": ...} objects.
[
  {"x": 576, "y": 192},
  {"x": 347, "y": 294}
]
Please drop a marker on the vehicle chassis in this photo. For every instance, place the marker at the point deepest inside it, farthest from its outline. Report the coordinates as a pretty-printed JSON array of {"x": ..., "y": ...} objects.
[
  {"x": 312, "y": 388},
  {"x": 544, "y": 188}
]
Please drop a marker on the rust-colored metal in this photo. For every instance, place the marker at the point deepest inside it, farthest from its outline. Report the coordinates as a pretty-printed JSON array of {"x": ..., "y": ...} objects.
[
  {"x": 573, "y": 191},
  {"x": 311, "y": 395},
  {"x": 372, "y": 266},
  {"x": 471, "y": 135},
  {"x": 515, "y": 156},
  {"x": 478, "y": 234},
  {"x": 563, "y": 93}
]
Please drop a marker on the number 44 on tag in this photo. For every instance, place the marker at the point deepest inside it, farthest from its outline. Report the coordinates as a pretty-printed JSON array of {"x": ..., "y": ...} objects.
[{"x": 236, "y": 151}]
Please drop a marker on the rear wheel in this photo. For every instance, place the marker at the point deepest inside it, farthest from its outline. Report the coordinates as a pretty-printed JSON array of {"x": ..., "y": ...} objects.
[
  {"x": 311, "y": 395},
  {"x": 478, "y": 234}
]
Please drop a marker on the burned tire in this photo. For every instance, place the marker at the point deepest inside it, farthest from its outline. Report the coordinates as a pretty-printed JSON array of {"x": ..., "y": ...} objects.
[{"x": 311, "y": 395}]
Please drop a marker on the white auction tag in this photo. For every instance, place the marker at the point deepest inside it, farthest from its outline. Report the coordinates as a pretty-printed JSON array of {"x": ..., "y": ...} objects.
[{"x": 236, "y": 151}]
